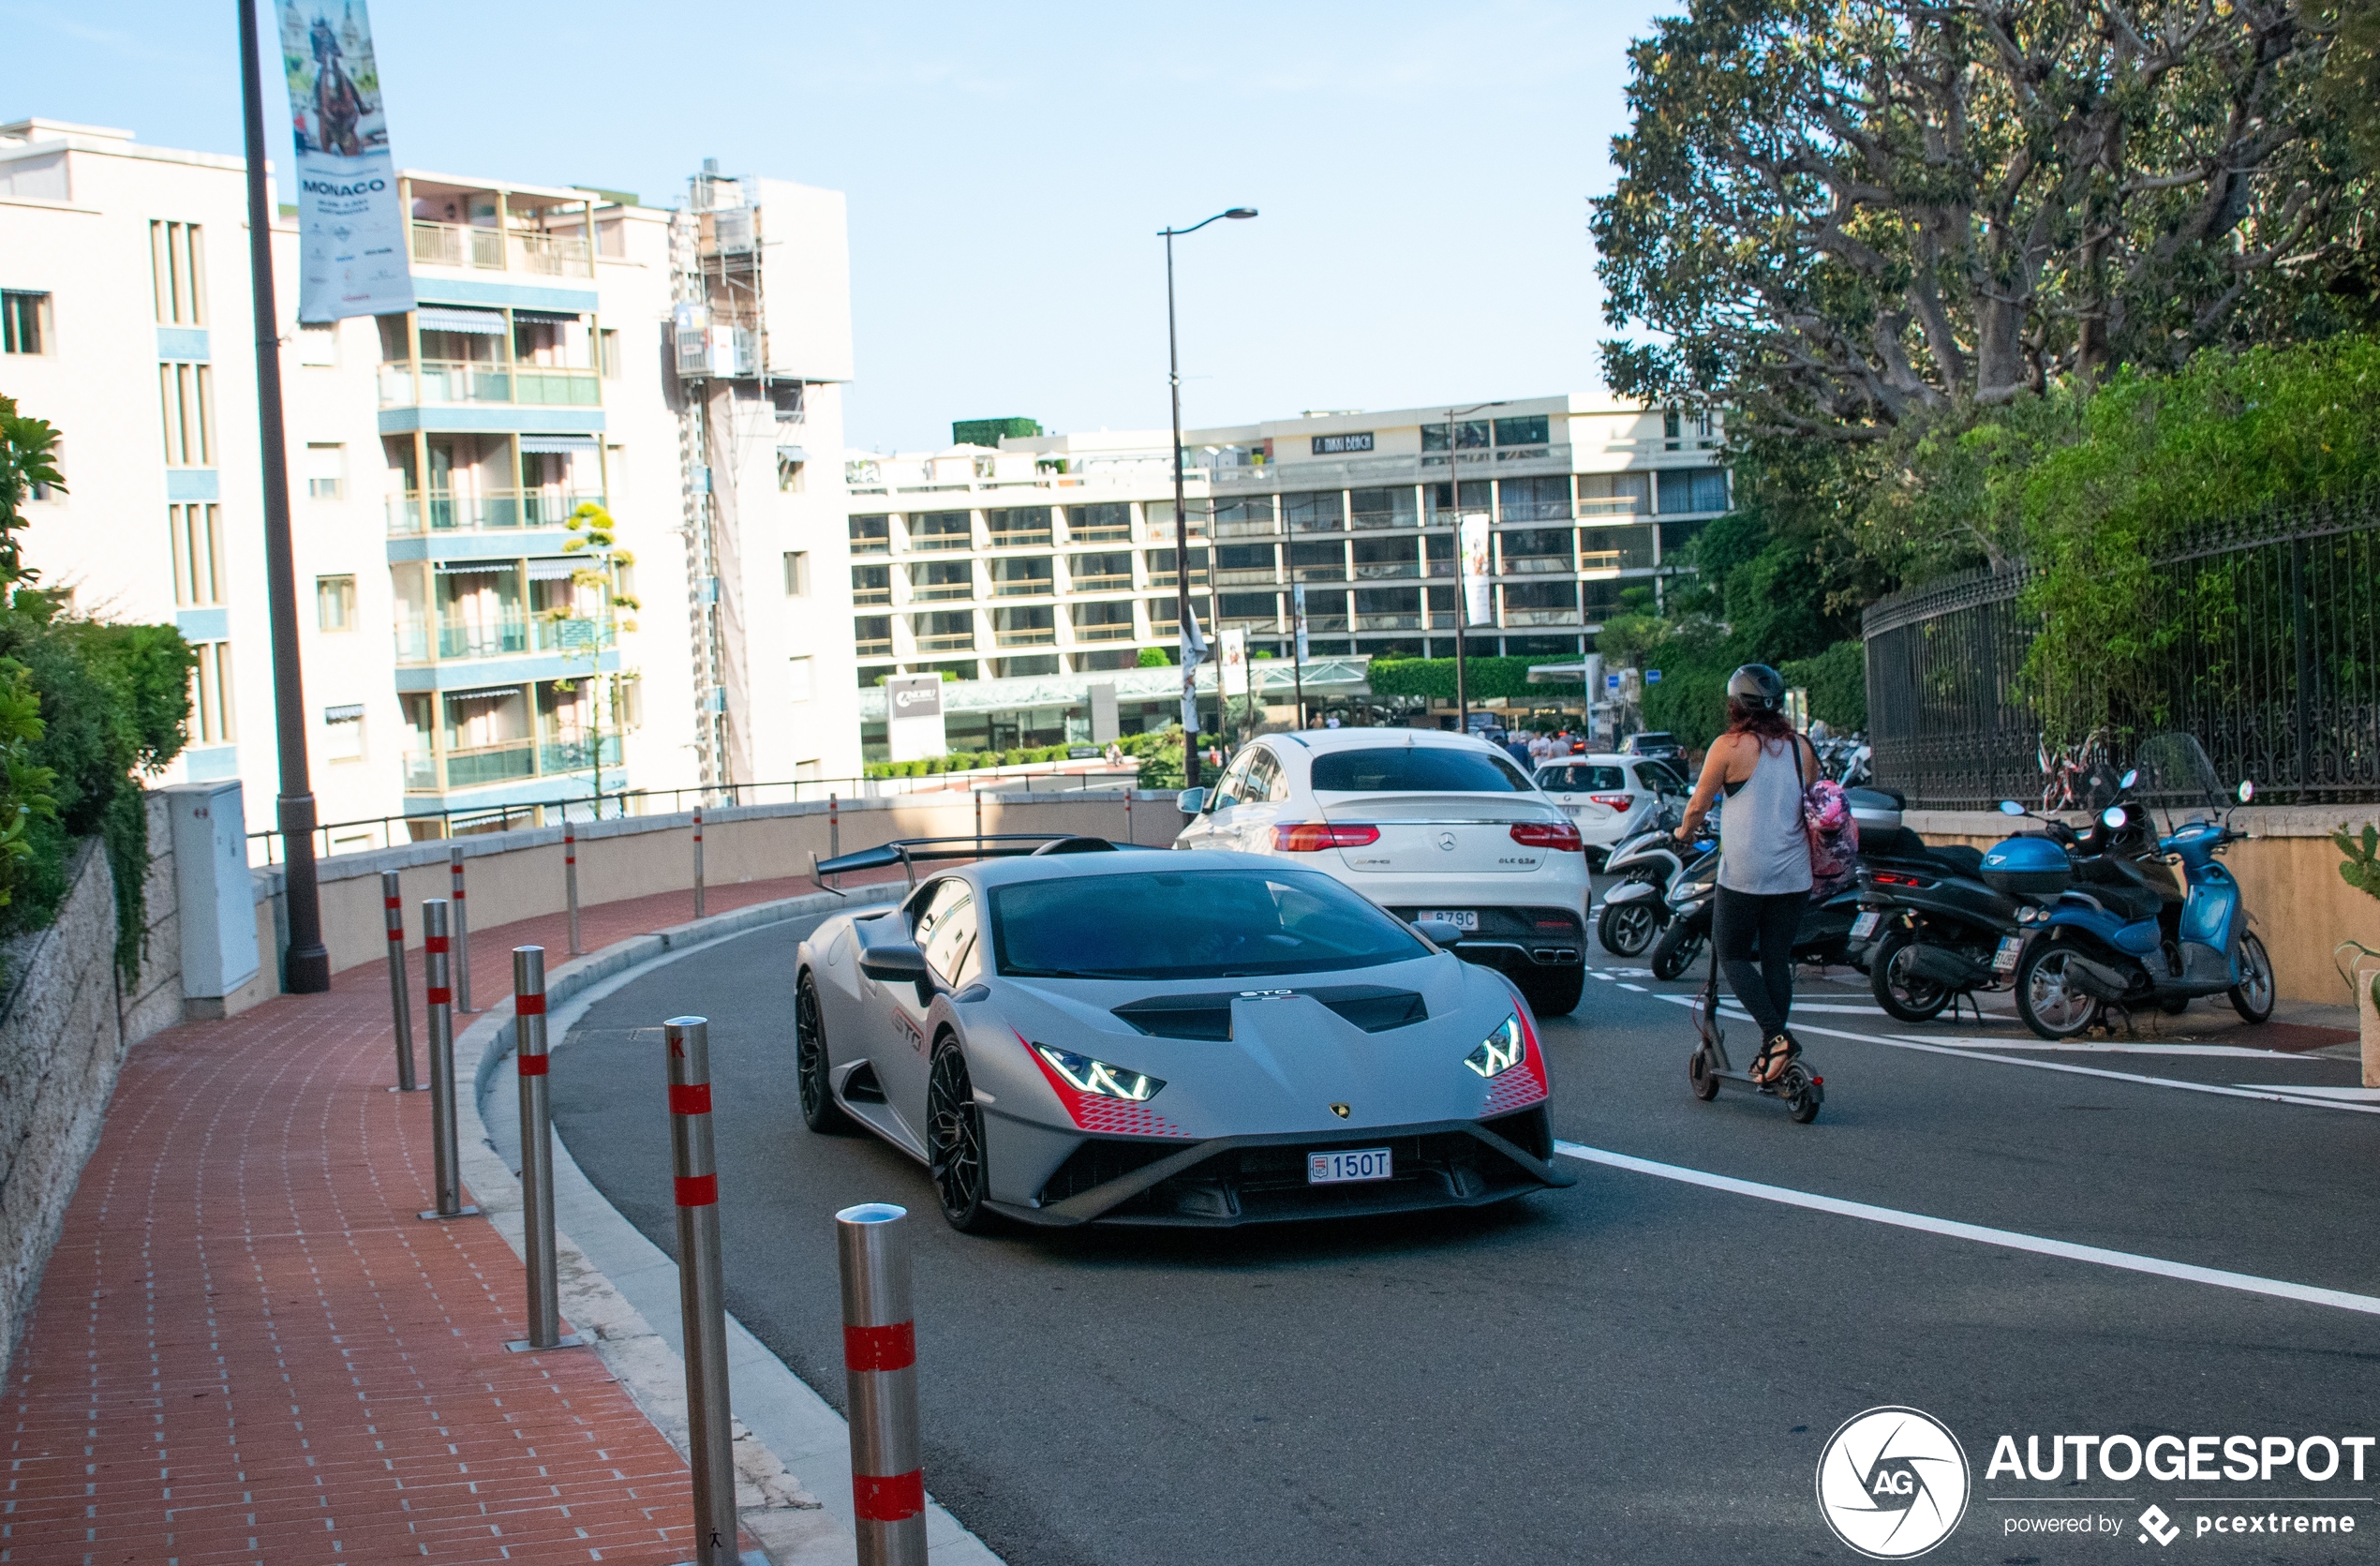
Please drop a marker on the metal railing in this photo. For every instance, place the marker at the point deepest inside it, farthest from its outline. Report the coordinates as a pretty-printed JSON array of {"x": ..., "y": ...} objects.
[
  {"x": 963, "y": 641},
  {"x": 458, "y": 244},
  {"x": 924, "y": 544},
  {"x": 2265, "y": 633},
  {"x": 1045, "y": 637},
  {"x": 1030, "y": 587},
  {"x": 441, "y": 512},
  {"x": 1109, "y": 584},
  {"x": 1103, "y": 633},
  {"x": 467, "y": 380},
  {"x": 494, "y": 249},
  {"x": 1034, "y": 539}
]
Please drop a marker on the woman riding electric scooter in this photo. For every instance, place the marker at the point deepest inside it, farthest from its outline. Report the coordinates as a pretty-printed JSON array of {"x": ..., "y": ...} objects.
[{"x": 1764, "y": 871}]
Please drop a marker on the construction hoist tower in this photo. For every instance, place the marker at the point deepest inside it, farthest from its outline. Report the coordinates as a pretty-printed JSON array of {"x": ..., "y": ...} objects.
[{"x": 728, "y": 412}]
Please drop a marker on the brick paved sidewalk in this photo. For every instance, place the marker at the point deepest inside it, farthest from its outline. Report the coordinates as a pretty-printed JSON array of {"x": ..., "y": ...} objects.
[{"x": 247, "y": 1347}]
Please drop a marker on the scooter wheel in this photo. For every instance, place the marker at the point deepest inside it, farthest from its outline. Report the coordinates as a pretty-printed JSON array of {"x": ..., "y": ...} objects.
[
  {"x": 2253, "y": 996},
  {"x": 2048, "y": 999},
  {"x": 1897, "y": 989},
  {"x": 1626, "y": 929},
  {"x": 1802, "y": 1095},
  {"x": 1700, "y": 1075},
  {"x": 1679, "y": 945}
]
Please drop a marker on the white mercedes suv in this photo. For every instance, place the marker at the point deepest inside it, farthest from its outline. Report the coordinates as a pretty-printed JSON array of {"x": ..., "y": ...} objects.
[{"x": 1430, "y": 825}]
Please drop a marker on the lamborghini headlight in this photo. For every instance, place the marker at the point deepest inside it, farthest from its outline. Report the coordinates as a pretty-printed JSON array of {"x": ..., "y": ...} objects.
[
  {"x": 1500, "y": 1051},
  {"x": 1097, "y": 1078}
]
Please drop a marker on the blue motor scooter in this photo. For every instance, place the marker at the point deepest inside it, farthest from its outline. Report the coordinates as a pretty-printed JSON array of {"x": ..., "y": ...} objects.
[{"x": 2118, "y": 935}]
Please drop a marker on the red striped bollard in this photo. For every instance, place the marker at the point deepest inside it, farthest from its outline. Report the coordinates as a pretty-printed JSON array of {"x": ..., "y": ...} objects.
[
  {"x": 570, "y": 874},
  {"x": 537, "y": 1154},
  {"x": 462, "y": 931},
  {"x": 701, "y": 1294},
  {"x": 446, "y": 1162},
  {"x": 880, "y": 1371},
  {"x": 834, "y": 826},
  {"x": 698, "y": 861},
  {"x": 400, "y": 1003}
]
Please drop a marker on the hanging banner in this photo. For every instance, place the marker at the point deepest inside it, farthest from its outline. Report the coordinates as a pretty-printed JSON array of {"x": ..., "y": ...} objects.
[
  {"x": 1479, "y": 602},
  {"x": 1297, "y": 601},
  {"x": 1232, "y": 664},
  {"x": 352, "y": 259}
]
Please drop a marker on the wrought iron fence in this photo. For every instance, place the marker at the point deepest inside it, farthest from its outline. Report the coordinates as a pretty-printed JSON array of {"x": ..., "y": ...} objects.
[{"x": 2266, "y": 632}]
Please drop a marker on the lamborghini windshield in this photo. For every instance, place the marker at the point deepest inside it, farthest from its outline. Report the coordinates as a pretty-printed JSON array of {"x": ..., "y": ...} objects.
[{"x": 1191, "y": 924}]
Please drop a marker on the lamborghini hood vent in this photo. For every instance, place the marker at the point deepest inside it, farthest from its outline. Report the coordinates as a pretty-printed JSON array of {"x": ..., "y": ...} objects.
[{"x": 1373, "y": 1007}]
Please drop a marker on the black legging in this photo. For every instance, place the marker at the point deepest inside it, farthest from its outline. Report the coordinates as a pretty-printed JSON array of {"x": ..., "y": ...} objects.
[{"x": 1743, "y": 920}]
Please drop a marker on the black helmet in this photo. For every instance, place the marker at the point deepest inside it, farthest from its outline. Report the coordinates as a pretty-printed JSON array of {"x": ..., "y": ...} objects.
[{"x": 1758, "y": 686}]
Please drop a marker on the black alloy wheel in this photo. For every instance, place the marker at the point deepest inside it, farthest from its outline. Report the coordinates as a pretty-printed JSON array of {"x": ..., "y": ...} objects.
[
  {"x": 954, "y": 1140},
  {"x": 819, "y": 1110},
  {"x": 1899, "y": 987},
  {"x": 1626, "y": 929},
  {"x": 1679, "y": 945}
]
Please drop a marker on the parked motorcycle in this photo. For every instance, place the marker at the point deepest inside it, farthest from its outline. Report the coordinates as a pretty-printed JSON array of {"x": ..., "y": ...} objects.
[
  {"x": 1647, "y": 865},
  {"x": 2113, "y": 928}
]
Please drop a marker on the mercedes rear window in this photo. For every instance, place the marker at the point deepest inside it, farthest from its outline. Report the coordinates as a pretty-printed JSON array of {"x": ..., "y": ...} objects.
[
  {"x": 1582, "y": 777},
  {"x": 1191, "y": 924},
  {"x": 1417, "y": 769}
]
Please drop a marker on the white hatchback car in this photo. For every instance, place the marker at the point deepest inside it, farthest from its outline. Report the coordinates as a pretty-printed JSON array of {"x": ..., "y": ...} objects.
[
  {"x": 1429, "y": 825},
  {"x": 1612, "y": 798}
]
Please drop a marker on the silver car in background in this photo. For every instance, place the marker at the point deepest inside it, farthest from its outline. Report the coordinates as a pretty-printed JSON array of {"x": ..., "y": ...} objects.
[{"x": 1610, "y": 797}]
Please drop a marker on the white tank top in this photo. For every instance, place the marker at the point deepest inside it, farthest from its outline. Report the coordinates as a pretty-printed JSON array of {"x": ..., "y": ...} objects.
[{"x": 1762, "y": 846}]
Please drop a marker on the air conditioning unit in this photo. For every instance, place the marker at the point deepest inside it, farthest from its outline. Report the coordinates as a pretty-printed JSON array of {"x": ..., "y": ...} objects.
[
  {"x": 733, "y": 233},
  {"x": 707, "y": 348}
]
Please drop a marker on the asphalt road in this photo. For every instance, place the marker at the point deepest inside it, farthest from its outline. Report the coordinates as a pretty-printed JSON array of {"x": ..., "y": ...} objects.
[{"x": 1640, "y": 1368}]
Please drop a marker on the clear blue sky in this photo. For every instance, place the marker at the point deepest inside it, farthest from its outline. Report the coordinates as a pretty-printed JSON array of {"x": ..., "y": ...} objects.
[{"x": 1422, "y": 169}]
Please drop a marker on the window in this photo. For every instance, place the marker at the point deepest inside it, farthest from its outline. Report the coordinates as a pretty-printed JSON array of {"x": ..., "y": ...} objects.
[
  {"x": 934, "y": 530},
  {"x": 1616, "y": 494},
  {"x": 1545, "y": 500},
  {"x": 25, "y": 322},
  {"x": 607, "y": 353},
  {"x": 1469, "y": 434},
  {"x": 871, "y": 535},
  {"x": 796, "y": 573},
  {"x": 1245, "y": 923},
  {"x": 343, "y": 732},
  {"x": 325, "y": 471},
  {"x": 211, "y": 716},
  {"x": 800, "y": 679},
  {"x": 1236, "y": 556},
  {"x": 198, "y": 555},
  {"x": 1690, "y": 489},
  {"x": 614, "y": 474},
  {"x": 871, "y": 635},
  {"x": 1417, "y": 769},
  {"x": 946, "y": 931},
  {"x": 1582, "y": 779},
  {"x": 1101, "y": 523},
  {"x": 186, "y": 394},
  {"x": 1529, "y": 430},
  {"x": 1632, "y": 545},
  {"x": 1320, "y": 512},
  {"x": 1247, "y": 605},
  {"x": 333, "y": 602},
  {"x": 1384, "y": 508},
  {"x": 1669, "y": 422},
  {"x": 872, "y": 584},
  {"x": 1318, "y": 562},
  {"x": 177, "y": 262},
  {"x": 319, "y": 346}
]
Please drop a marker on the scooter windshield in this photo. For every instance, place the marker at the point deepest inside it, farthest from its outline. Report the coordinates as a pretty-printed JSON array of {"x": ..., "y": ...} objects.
[{"x": 2176, "y": 774}]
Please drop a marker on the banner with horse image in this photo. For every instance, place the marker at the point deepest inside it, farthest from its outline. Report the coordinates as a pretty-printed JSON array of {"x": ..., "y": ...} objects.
[{"x": 352, "y": 259}]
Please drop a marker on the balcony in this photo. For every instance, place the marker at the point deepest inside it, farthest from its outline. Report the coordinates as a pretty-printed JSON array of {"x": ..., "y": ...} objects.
[
  {"x": 501, "y": 639},
  {"x": 572, "y": 635},
  {"x": 575, "y": 754},
  {"x": 421, "y": 772},
  {"x": 454, "y": 381},
  {"x": 484, "y": 248},
  {"x": 1616, "y": 505},
  {"x": 1032, "y": 587},
  {"x": 963, "y": 641},
  {"x": 1166, "y": 578},
  {"x": 874, "y": 544},
  {"x": 865, "y": 596},
  {"x": 927, "y": 544},
  {"x": 1023, "y": 538},
  {"x": 1118, "y": 582},
  {"x": 1386, "y": 571},
  {"x": 1600, "y": 562},
  {"x": 1541, "y": 617},
  {"x": 1389, "y": 622},
  {"x": 1119, "y": 533},
  {"x": 1538, "y": 565},
  {"x": 939, "y": 593},
  {"x": 1261, "y": 575},
  {"x": 1103, "y": 633},
  {"x": 1042, "y": 636},
  {"x": 412, "y": 513},
  {"x": 872, "y": 646},
  {"x": 491, "y": 764},
  {"x": 1244, "y": 527}
]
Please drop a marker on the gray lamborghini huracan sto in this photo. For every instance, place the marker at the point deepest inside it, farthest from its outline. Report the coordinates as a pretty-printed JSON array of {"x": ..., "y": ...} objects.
[{"x": 1203, "y": 1039}]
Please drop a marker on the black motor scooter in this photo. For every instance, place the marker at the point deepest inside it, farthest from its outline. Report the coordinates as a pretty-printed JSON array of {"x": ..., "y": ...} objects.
[{"x": 1824, "y": 935}]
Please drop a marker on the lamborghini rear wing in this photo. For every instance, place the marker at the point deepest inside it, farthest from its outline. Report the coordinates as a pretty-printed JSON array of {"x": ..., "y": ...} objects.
[{"x": 909, "y": 853}]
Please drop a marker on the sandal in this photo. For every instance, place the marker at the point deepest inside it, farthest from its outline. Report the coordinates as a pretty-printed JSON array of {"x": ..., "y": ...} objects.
[{"x": 1779, "y": 1047}]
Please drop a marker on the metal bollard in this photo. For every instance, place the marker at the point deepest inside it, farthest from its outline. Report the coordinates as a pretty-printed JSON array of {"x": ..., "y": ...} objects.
[
  {"x": 880, "y": 1371},
  {"x": 1127, "y": 815},
  {"x": 446, "y": 1161},
  {"x": 570, "y": 874},
  {"x": 400, "y": 1003},
  {"x": 834, "y": 826},
  {"x": 537, "y": 1154},
  {"x": 979, "y": 819},
  {"x": 698, "y": 861},
  {"x": 700, "y": 1292},
  {"x": 462, "y": 931}
]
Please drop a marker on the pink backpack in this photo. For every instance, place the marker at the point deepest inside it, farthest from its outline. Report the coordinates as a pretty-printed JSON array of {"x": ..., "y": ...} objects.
[{"x": 1834, "y": 834}]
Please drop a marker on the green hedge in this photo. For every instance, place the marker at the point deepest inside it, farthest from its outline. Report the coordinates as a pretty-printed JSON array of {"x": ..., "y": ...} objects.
[{"x": 1508, "y": 677}]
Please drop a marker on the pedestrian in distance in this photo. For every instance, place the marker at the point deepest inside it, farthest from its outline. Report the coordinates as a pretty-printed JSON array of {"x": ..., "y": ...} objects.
[{"x": 1764, "y": 876}]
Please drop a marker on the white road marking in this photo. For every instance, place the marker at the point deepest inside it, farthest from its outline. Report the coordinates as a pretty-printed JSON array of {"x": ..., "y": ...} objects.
[
  {"x": 2357, "y": 1095},
  {"x": 2278, "y": 1095},
  {"x": 1600, "y": 973},
  {"x": 2110, "y": 1047},
  {"x": 1638, "y": 988},
  {"x": 2009, "y": 1239}
]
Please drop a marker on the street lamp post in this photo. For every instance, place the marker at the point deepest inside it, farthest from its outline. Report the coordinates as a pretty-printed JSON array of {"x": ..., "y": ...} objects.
[
  {"x": 309, "y": 968},
  {"x": 1181, "y": 511},
  {"x": 1462, "y": 599}
]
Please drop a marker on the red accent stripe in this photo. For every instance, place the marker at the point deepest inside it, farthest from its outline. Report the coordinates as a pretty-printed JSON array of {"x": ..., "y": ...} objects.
[
  {"x": 528, "y": 1006},
  {"x": 442, "y": 997},
  {"x": 531, "y": 1066},
  {"x": 459, "y": 889},
  {"x": 434, "y": 942},
  {"x": 893, "y": 1347},
  {"x": 697, "y": 1190},
  {"x": 690, "y": 1098},
  {"x": 895, "y": 1498},
  {"x": 397, "y": 933},
  {"x": 393, "y": 902}
]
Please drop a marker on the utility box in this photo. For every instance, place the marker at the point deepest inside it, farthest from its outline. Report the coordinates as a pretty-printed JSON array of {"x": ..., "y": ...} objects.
[{"x": 213, "y": 889}]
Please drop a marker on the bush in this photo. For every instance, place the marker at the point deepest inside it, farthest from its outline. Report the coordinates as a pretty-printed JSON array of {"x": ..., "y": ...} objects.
[
  {"x": 1484, "y": 678},
  {"x": 1837, "y": 681}
]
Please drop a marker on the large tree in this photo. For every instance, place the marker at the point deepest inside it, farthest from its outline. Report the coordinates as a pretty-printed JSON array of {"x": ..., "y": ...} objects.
[{"x": 1837, "y": 214}]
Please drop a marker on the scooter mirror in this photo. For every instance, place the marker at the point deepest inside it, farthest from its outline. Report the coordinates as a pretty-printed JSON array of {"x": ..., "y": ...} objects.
[
  {"x": 2247, "y": 791},
  {"x": 2010, "y": 807},
  {"x": 2129, "y": 778},
  {"x": 2112, "y": 815}
]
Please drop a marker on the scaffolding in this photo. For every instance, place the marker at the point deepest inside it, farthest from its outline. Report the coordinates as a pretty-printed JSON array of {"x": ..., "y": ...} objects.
[{"x": 728, "y": 403}]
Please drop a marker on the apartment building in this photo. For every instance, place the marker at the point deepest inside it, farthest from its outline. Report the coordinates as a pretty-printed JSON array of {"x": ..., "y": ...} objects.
[
  {"x": 1051, "y": 558},
  {"x": 674, "y": 365}
]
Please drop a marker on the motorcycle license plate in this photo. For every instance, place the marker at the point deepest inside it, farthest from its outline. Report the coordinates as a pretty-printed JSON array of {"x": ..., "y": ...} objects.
[
  {"x": 1864, "y": 926},
  {"x": 1462, "y": 918},
  {"x": 2005, "y": 960}
]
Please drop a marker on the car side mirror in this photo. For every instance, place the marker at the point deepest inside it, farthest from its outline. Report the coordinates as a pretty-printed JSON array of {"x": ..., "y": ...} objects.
[
  {"x": 892, "y": 957},
  {"x": 1192, "y": 801},
  {"x": 1439, "y": 931},
  {"x": 2247, "y": 791},
  {"x": 2010, "y": 807}
]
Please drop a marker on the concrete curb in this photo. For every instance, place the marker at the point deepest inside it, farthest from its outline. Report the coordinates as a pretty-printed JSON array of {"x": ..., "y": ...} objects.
[{"x": 620, "y": 1291}]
